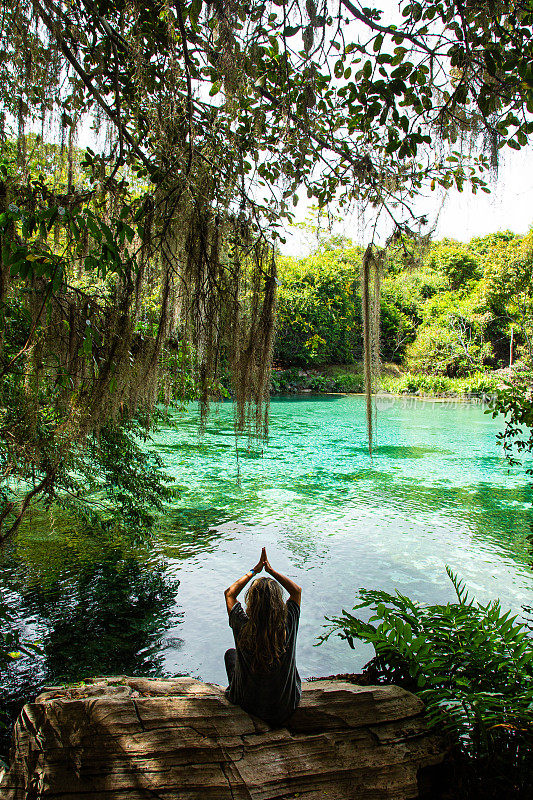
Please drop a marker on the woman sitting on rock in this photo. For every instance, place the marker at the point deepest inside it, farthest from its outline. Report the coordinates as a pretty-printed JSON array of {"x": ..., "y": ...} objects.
[{"x": 262, "y": 674}]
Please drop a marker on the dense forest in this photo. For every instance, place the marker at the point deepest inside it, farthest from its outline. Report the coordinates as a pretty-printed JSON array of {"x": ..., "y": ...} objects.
[{"x": 449, "y": 310}]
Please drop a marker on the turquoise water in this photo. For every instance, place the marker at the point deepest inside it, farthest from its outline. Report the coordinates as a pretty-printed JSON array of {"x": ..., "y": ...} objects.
[{"x": 436, "y": 492}]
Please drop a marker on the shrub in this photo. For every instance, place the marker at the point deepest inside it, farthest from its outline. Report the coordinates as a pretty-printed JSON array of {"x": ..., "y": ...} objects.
[
  {"x": 456, "y": 263},
  {"x": 419, "y": 383},
  {"x": 451, "y": 340},
  {"x": 319, "y": 309},
  {"x": 284, "y": 380},
  {"x": 291, "y": 380},
  {"x": 319, "y": 312},
  {"x": 479, "y": 384},
  {"x": 514, "y": 403},
  {"x": 472, "y": 665}
]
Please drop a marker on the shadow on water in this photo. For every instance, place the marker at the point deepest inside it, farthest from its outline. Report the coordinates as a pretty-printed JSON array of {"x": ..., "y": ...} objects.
[
  {"x": 102, "y": 605},
  {"x": 188, "y": 532},
  {"x": 103, "y": 617},
  {"x": 401, "y": 451},
  {"x": 197, "y": 520}
]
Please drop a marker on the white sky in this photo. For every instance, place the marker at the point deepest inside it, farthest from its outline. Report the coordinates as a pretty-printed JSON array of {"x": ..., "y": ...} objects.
[
  {"x": 464, "y": 215},
  {"x": 508, "y": 207}
]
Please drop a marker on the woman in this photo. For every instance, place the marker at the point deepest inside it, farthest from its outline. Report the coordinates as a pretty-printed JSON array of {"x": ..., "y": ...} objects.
[{"x": 262, "y": 673}]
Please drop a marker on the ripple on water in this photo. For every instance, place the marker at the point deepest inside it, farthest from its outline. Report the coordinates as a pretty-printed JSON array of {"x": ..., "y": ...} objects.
[{"x": 436, "y": 492}]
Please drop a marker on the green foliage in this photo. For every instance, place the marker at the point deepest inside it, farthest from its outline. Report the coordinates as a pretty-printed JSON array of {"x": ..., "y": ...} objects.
[
  {"x": 515, "y": 403},
  {"x": 397, "y": 326},
  {"x": 472, "y": 664},
  {"x": 119, "y": 471},
  {"x": 447, "y": 312},
  {"x": 508, "y": 282},
  {"x": 361, "y": 110},
  {"x": 451, "y": 339},
  {"x": 464, "y": 300},
  {"x": 112, "y": 478},
  {"x": 479, "y": 384},
  {"x": 293, "y": 380},
  {"x": 107, "y": 475},
  {"x": 455, "y": 262},
  {"x": 319, "y": 311}
]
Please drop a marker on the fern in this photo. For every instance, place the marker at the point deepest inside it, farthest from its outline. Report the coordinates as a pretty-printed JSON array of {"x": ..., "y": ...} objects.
[{"x": 472, "y": 664}]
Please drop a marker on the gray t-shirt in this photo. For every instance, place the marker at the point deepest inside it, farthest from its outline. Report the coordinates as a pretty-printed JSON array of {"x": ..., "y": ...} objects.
[{"x": 272, "y": 695}]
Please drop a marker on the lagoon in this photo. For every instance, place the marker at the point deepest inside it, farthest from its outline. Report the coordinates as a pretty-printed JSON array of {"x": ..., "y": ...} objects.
[{"x": 436, "y": 492}]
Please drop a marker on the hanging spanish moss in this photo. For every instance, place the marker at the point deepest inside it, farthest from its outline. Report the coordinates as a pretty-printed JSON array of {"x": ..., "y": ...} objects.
[
  {"x": 198, "y": 261},
  {"x": 141, "y": 269},
  {"x": 371, "y": 268}
]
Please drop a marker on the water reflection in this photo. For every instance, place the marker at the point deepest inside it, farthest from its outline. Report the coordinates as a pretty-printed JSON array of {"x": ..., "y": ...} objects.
[
  {"x": 108, "y": 619},
  {"x": 436, "y": 492},
  {"x": 102, "y": 617}
]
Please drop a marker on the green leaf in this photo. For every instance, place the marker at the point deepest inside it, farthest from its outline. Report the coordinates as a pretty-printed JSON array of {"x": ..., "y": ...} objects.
[{"x": 195, "y": 10}]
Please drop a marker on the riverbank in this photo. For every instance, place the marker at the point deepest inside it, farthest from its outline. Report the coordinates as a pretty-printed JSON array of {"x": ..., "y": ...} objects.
[{"x": 349, "y": 379}]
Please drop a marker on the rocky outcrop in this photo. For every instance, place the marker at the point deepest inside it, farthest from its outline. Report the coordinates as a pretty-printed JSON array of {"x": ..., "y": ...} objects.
[{"x": 180, "y": 739}]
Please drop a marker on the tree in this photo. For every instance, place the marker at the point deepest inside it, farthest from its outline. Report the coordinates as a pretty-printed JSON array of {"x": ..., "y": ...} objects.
[
  {"x": 514, "y": 403},
  {"x": 509, "y": 287},
  {"x": 216, "y": 115},
  {"x": 319, "y": 310}
]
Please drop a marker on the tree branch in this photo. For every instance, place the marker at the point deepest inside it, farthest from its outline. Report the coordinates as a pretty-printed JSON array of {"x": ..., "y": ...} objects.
[
  {"x": 384, "y": 28},
  {"x": 69, "y": 55},
  {"x": 187, "y": 61}
]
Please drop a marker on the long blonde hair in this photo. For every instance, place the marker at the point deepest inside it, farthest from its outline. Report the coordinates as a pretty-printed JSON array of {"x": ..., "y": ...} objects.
[{"x": 264, "y": 634}]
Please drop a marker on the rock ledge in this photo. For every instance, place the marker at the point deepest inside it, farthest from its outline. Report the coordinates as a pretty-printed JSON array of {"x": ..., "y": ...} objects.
[{"x": 179, "y": 739}]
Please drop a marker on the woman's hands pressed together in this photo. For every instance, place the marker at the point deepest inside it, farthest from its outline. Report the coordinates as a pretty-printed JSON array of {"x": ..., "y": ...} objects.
[
  {"x": 232, "y": 592},
  {"x": 266, "y": 562},
  {"x": 263, "y": 563}
]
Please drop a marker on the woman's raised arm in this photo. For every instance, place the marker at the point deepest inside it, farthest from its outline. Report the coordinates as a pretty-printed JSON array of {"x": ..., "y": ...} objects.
[{"x": 233, "y": 591}]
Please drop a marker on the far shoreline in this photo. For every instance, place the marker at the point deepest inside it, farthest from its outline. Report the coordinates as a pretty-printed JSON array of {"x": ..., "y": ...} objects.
[
  {"x": 397, "y": 395},
  {"x": 348, "y": 379}
]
